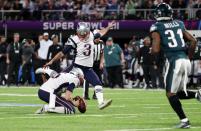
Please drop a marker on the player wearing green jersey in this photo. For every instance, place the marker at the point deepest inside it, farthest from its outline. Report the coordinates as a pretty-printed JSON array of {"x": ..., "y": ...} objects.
[{"x": 169, "y": 35}]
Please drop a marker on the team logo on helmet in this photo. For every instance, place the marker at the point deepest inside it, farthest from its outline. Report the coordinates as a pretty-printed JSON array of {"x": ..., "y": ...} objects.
[{"x": 163, "y": 11}]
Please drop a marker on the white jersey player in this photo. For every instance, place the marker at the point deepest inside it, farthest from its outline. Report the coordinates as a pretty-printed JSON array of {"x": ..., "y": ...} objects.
[
  {"x": 60, "y": 82},
  {"x": 83, "y": 44}
]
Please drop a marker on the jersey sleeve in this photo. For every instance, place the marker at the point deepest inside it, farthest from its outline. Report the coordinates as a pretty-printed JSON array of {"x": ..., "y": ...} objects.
[
  {"x": 182, "y": 25},
  {"x": 71, "y": 42},
  {"x": 153, "y": 28},
  {"x": 70, "y": 87}
]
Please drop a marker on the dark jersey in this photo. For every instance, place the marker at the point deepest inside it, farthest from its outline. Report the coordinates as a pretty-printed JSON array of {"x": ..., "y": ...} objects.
[
  {"x": 197, "y": 54},
  {"x": 53, "y": 50},
  {"x": 172, "y": 41}
]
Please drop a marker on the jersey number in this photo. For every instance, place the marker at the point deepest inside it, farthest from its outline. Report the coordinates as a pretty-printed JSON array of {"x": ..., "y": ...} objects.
[
  {"x": 87, "y": 51},
  {"x": 171, "y": 36}
]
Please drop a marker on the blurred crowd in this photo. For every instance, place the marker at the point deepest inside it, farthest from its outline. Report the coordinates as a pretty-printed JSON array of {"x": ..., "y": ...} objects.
[
  {"x": 132, "y": 64},
  {"x": 94, "y": 9}
]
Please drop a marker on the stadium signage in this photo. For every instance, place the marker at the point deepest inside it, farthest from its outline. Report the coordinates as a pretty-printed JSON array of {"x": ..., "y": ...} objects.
[
  {"x": 121, "y": 25},
  {"x": 70, "y": 25}
]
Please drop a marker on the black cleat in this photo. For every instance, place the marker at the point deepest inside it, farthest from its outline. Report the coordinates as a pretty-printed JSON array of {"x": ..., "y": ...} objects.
[
  {"x": 184, "y": 125},
  {"x": 86, "y": 98},
  {"x": 94, "y": 97}
]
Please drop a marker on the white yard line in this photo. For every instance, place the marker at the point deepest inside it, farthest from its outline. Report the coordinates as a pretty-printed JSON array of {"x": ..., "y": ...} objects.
[
  {"x": 10, "y": 94},
  {"x": 151, "y": 107},
  {"x": 152, "y": 129},
  {"x": 19, "y": 105},
  {"x": 44, "y": 116}
]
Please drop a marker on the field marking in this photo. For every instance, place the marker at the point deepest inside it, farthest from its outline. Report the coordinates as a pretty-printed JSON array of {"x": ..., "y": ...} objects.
[
  {"x": 10, "y": 94},
  {"x": 152, "y": 107},
  {"x": 125, "y": 117},
  {"x": 19, "y": 105},
  {"x": 152, "y": 129},
  {"x": 44, "y": 116}
]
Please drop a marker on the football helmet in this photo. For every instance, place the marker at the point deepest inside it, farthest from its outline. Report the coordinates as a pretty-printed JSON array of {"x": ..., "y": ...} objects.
[
  {"x": 83, "y": 29},
  {"x": 163, "y": 11}
]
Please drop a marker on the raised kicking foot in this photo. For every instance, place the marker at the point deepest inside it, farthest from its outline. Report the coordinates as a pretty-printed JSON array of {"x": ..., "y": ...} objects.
[
  {"x": 40, "y": 110},
  {"x": 105, "y": 104},
  {"x": 184, "y": 125}
]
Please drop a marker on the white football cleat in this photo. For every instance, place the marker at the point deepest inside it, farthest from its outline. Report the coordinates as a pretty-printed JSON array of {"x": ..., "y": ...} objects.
[
  {"x": 105, "y": 104},
  {"x": 40, "y": 110}
]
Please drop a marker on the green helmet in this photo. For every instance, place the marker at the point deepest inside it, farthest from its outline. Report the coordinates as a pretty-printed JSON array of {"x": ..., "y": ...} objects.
[{"x": 163, "y": 11}]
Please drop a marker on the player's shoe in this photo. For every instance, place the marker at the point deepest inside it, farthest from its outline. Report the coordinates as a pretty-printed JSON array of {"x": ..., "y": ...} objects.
[
  {"x": 94, "y": 97},
  {"x": 184, "y": 125},
  {"x": 41, "y": 110},
  {"x": 40, "y": 70},
  {"x": 105, "y": 104},
  {"x": 198, "y": 97}
]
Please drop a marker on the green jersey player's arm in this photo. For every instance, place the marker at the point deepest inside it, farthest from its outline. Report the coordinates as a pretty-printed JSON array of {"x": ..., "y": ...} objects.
[
  {"x": 156, "y": 40},
  {"x": 193, "y": 42},
  {"x": 106, "y": 29}
]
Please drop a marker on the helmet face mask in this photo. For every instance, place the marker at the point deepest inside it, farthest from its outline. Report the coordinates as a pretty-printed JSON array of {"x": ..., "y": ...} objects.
[
  {"x": 83, "y": 29},
  {"x": 163, "y": 12}
]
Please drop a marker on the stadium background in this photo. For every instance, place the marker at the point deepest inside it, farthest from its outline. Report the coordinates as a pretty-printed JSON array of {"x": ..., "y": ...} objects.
[{"x": 132, "y": 109}]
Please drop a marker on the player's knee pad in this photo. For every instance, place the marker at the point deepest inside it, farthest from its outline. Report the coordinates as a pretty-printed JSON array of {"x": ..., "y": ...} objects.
[{"x": 98, "y": 88}]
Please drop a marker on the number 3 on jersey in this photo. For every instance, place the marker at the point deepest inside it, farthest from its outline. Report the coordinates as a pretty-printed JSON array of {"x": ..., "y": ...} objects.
[
  {"x": 171, "y": 37},
  {"x": 87, "y": 51}
]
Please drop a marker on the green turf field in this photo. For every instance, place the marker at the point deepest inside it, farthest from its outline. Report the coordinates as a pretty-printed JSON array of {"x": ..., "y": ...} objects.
[{"x": 131, "y": 110}]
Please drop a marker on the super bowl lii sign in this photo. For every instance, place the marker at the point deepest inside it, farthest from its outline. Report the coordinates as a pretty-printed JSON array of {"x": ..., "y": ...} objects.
[{"x": 71, "y": 25}]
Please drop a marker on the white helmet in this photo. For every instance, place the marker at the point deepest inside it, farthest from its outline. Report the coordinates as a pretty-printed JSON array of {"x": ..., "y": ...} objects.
[
  {"x": 77, "y": 72},
  {"x": 83, "y": 29}
]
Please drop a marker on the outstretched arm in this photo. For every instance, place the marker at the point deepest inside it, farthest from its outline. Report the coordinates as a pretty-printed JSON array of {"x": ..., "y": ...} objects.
[
  {"x": 57, "y": 57},
  {"x": 106, "y": 29}
]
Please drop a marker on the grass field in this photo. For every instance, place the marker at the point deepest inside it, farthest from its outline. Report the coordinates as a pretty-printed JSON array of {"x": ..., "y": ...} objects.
[{"x": 131, "y": 110}]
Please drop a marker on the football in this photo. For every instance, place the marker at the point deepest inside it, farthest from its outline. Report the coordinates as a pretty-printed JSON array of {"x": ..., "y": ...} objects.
[{"x": 82, "y": 105}]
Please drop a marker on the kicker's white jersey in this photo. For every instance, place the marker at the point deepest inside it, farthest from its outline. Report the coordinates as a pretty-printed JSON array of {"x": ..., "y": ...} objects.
[
  {"x": 63, "y": 80},
  {"x": 84, "y": 50}
]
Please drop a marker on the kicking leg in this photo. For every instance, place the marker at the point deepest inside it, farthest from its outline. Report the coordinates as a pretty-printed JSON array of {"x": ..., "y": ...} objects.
[{"x": 91, "y": 76}]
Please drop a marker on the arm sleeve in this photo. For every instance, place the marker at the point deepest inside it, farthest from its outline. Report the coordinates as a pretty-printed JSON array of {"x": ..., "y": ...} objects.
[
  {"x": 182, "y": 26},
  {"x": 70, "y": 87},
  {"x": 70, "y": 44},
  {"x": 67, "y": 48}
]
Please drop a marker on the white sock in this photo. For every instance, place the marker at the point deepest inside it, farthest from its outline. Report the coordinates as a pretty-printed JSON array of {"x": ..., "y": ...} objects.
[
  {"x": 60, "y": 110},
  {"x": 99, "y": 94},
  {"x": 46, "y": 107},
  {"x": 184, "y": 120},
  {"x": 196, "y": 95}
]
